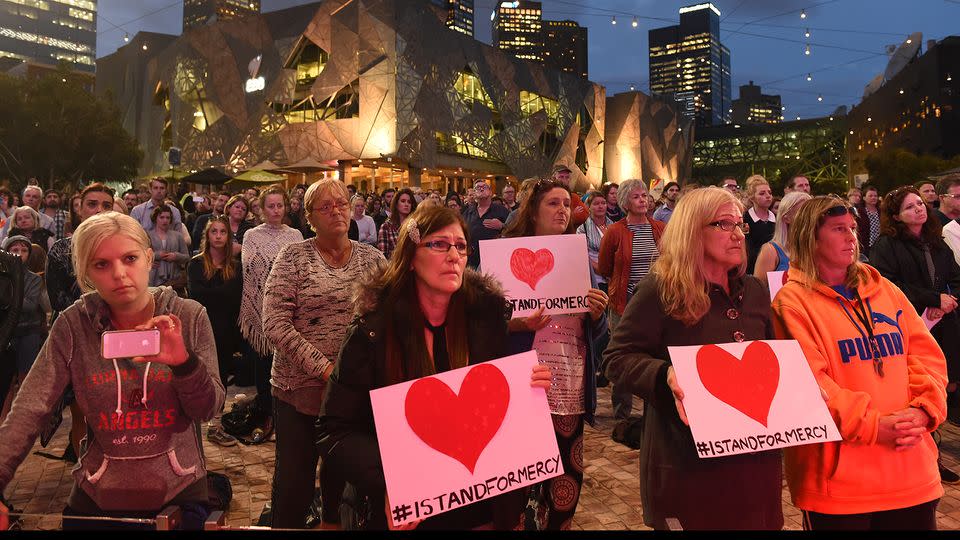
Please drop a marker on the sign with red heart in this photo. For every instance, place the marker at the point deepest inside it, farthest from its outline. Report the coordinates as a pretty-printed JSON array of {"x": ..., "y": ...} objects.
[
  {"x": 530, "y": 267},
  {"x": 463, "y": 436},
  {"x": 549, "y": 272},
  {"x": 460, "y": 426},
  {"x": 776, "y": 281},
  {"x": 750, "y": 397}
]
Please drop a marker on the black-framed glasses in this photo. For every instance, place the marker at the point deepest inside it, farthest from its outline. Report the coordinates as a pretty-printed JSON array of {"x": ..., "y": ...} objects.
[
  {"x": 442, "y": 246},
  {"x": 728, "y": 225}
]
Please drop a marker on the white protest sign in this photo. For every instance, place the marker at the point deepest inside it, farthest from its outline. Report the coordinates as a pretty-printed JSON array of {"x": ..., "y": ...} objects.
[
  {"x": 464, "y": 436},
  {"x": 776, "y": 281},
  {"x": 551, "y": 271},
  {"x": 750, "y": 397}
]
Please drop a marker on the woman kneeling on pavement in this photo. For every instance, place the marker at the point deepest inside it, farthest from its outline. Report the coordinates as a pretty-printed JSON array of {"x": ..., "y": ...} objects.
[
  {"x": 306, "y": 310},
  {"x": 143, "y": 450},
  {"x": 697, "y": 293},
  {"x": 881, "y": 373},
  {"x": 425, "y": 313}
]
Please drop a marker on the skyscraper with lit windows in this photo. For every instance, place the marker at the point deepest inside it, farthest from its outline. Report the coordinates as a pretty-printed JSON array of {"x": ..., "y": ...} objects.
[
  {"x": 518, "y": 29},
  {"x": 459, "y": 14},
  {"x": 198, "y": 12},
  {"x": 47, "y": 32},
  {"x": 690, "y": 65},
  {"x": 565, "y": 46}
]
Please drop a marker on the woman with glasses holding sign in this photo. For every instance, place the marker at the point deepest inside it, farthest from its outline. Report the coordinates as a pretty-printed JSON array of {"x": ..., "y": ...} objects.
[
  {"x": 879, "y": 370},
  {"x": 697, "y": 293},
  {"x": 424, "y": 313},
  {"x": 565, "y": 343},
  {"x": 143, "y": 450},
  {"x": 306, "y": 310}
]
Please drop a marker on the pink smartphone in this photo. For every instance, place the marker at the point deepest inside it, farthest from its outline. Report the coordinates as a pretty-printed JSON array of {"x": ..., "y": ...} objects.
[{"x": 130, "y": 343}]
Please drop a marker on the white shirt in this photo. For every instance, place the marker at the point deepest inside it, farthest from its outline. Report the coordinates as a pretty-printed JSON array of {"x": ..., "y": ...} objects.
[
  {"x": 951, "y": 235},
  {"x": 368, "y": 230},
  {"x": 753, "y": 215}
]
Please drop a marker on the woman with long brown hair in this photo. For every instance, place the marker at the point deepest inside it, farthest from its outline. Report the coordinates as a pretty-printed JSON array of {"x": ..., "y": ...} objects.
[
  {"x": 215, "y": 280},
  {"x": 403, "y": 204},
  {"x": 411, "y": 321},
  {"x": 566, "y": 344},
  {"x": 912, "y": 254}
]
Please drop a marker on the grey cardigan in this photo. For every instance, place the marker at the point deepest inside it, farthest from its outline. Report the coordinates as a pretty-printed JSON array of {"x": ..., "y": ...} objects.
[{"x": 145, "y": 446}]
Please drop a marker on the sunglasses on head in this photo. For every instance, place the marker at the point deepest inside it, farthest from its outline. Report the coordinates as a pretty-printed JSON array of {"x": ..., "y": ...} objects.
[{"x": 839, "y": 211}]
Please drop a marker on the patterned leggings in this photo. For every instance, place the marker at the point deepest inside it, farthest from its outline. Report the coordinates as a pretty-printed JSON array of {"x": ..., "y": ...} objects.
[{"x": 557, "y": 498}]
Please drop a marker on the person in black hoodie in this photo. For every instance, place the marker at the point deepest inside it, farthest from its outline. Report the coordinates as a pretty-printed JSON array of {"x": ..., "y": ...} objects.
[
  {"x": 396, "y": 307},
  {"x": 912, "y": 254}
]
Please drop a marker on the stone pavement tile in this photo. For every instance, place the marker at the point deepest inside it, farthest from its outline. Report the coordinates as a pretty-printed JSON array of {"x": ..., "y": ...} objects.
[{"x": 610, "y": 498}]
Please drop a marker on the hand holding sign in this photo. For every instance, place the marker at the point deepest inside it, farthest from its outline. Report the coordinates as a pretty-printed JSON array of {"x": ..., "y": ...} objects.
[{"x": 750, "y": 397}]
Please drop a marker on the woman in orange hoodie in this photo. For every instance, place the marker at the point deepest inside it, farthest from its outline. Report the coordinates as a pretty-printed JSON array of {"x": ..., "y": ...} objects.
[{"x": 880, "y": 372}]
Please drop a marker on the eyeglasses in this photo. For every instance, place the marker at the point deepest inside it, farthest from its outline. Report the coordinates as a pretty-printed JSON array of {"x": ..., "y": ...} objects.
[
  {"x": 951, "y": 195},
  {"x": 442, "y": 246},
  {"x": 326, "y": 208},
  {"x": 727, "y": 225},
  {"x": 481, "y": 187}
]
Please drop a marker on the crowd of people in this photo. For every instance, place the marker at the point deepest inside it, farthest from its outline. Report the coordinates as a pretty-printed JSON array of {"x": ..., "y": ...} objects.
[{"x": 318, "y": 294}]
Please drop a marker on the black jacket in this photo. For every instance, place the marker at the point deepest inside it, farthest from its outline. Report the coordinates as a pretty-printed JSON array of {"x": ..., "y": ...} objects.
[
  {"x": 902, "y": 261},
  {"x": 347, "y": 436}
]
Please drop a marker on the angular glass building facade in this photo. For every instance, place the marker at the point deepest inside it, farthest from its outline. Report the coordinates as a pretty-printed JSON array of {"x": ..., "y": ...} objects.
[{"x": 377, "y": 89}]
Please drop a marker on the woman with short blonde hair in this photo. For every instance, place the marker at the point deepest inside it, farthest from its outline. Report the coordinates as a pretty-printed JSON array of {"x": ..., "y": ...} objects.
[
  {"x": 160, "y": 398},
  {"x": 760, "y": 220},
  {"x": 696, "y": 294}
]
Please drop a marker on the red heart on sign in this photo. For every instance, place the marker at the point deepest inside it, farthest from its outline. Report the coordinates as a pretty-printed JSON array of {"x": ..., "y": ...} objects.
[
  {"x": 459, "y": 426},
  {"x": 748, "y": 385},
  {"x": 530, "y": 267}
]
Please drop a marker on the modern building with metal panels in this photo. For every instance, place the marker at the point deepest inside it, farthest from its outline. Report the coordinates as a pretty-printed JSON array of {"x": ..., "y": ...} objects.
[{"x": 380, "y": 90}]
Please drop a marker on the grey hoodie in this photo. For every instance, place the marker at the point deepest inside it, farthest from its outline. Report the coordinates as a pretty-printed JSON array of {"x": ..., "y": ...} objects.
[{"x": 145, "y": 445}]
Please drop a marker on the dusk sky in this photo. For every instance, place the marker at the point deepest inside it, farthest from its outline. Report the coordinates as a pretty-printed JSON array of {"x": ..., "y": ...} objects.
[{"x": 848, "y": 39}]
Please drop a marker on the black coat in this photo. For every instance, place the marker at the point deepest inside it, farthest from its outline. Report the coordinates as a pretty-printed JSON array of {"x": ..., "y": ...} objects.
[
  {"x": 902, "y": 261},
  {"x": 347, "y": 436}
]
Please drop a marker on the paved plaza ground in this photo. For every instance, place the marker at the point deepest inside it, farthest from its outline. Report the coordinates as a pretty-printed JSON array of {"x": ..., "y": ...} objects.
[{"x": 610, "y": 499}]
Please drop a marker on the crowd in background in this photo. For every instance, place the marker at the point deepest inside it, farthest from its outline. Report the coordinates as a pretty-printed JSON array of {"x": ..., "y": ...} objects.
[{"x": 317, "y": 294}]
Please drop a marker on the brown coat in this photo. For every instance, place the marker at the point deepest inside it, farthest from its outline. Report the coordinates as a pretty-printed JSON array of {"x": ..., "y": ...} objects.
[
  {"x": 616, "y": 256},
  {"x": 735, "y": 492}
]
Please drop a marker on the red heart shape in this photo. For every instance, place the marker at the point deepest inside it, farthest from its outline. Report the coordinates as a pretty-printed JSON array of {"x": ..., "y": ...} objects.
[
  {"x": 748, "y": 385},
  {"x": 530, "y": 267},
  {"x": 459, "y": 426},
  {"x": 785, "y": 276}
]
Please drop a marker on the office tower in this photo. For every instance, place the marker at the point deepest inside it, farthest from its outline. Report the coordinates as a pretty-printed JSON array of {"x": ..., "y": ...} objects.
[
  {"x": 690, "y": 65},
  {"x": 565, "y": 46},
  {"x": 459, "y": 14},
  {"x": 518, "y": 29},
  {"x": 47, "y": 32},
  {"x": 754, "y": 107},
  {"x": 198, "y": 12}
]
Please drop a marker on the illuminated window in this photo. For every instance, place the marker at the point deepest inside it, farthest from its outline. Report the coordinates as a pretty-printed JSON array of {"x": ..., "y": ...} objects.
[
  {"x": 470, "y": 89},
  {"x": 531, "y": 103}
]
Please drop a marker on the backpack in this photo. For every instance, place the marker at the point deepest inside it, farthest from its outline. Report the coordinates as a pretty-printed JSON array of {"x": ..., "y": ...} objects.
[{"x": 219, "y": 492}]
